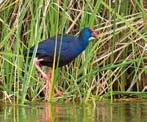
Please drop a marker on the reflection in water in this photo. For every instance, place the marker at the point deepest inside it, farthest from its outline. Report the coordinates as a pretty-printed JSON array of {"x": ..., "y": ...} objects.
[{"x": 101, "y": 112}]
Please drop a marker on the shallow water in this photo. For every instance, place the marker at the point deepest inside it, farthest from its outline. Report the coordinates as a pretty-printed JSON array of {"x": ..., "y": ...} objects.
[{"x": 101, "y": 112}]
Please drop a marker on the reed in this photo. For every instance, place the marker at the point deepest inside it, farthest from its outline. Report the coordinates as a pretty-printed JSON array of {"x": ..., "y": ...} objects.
[{"x": 114, "y": 62}]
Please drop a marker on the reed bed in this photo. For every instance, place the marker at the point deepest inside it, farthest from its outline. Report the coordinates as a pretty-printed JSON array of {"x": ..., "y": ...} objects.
[{"x": 113, "y": 65}]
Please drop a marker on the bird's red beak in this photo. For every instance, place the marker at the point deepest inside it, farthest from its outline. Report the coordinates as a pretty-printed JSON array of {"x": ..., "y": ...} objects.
[{"x": 93, "y": 32}]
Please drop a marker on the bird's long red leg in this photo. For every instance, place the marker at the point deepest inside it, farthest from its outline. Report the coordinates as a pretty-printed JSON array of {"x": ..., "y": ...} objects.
[
  {"x": 47, "y": 84},
  {"x": 57, "y": 92},
  {"x": 37, "y": 65},
  {"x": 47, "y": 77}
]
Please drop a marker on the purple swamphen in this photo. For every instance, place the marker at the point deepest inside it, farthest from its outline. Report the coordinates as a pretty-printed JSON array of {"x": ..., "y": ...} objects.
[{"x": 68, "y": 47}]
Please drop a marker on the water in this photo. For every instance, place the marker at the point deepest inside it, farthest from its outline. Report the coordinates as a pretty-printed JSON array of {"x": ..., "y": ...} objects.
[{"x": 101, "y": 112}]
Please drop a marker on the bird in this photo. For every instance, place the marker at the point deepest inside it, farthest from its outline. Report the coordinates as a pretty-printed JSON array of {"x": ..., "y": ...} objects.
[{"x": 64, "y": 48}]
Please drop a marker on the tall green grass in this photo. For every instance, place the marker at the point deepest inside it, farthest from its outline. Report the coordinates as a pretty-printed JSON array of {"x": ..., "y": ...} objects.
[{"x": 112, "y": 62}]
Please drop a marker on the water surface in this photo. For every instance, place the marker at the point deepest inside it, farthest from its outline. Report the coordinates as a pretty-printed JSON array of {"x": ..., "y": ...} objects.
[{"x": 130, "y": 111}]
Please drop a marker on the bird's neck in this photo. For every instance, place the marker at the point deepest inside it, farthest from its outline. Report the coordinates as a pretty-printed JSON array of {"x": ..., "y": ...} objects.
[{"x": 83, "y": 41}]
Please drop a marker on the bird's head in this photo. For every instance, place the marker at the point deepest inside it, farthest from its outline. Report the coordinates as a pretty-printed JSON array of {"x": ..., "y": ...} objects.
[{"x": 86, "y": 33}]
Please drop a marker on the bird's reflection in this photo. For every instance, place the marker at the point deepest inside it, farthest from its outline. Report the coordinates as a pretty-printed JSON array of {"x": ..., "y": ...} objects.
[{"x": 49, "y": 112}]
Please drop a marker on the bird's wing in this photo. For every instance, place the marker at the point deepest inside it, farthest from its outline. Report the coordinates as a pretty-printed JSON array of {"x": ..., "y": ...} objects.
[
  {"x": 65, "y": 48},
  {"x": 62, "y": 44}
]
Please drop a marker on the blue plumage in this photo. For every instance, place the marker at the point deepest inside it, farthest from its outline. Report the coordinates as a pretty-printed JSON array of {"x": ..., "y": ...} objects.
[{"x": 67, "y": 47}]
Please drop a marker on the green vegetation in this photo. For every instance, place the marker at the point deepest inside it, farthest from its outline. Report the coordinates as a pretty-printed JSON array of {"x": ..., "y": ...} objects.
[{"x": 115, "y": 61}]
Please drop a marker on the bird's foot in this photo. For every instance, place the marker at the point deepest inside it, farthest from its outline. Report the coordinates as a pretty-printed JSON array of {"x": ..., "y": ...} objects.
[{"x": 58, "y": 93}]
